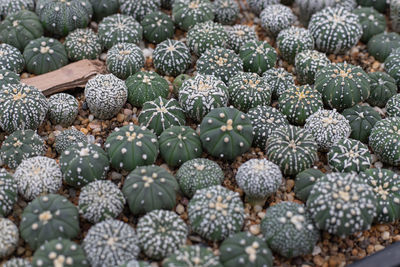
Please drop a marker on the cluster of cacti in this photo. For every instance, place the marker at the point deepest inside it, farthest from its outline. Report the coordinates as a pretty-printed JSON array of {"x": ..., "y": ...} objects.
[
  {"x": 275, "y": 18},
  {"x": 82, "y": 44},
  {"x": 342, "y": 204},
  {"x": 393, "y": 106},
  {"x": 383, "y": 87},
  {"x": 279, "y": 80},
  {"x": 179, "y": 144},
  {"x": 206, "y": 35},
  {"x": 226, "y": 133},
  {"x": 21, "y": 145},
  {"x": 119, "y": 28},
  {"x": 226, "y": 11},
  {"x": 216, "y": 213},
  {"x": 11, "y": 59},
  {"x": 161, "y": 233},
  {"x": 200, "y": 95},
  {"x": 187, "y": 13},
  {"x": 157, "y": 27},
  {"x": 289, "y": 219},
  {"x": 219, "y": 62},
  {"x": 257, "y": 56},
  {"x": 171, "y": 57},
  {"x": 305, "y": 181},
  {"x": 37, "y": 176},
  {"x": 9, "y": 237},
  {"x": 100, "y": 200},
  {"x": 392, "y": 66},
  {"x": 195, "y": 255},
  {"x": 110, "y": 243},
  {"x": 49, "y": 217},
  {"x": 44, "y": 54},
  {"x": 69, "y": 138},
  {"x": 248, "y": 90},
  {"x": 105, "y": 95},
  {"x": 124, "y": 59},
  {"x": 146, "y": 86},
  {"x": 150, "y": 188},
  {"x": 308, "y": 63},
  {"x": 292, "y": 41},
  {"x": 138, "y": 9},
  {"x": 104, "y": 8},
  {"x": 361, "y": 120},
  {"x": 63, "y": 109},
  {"x": 8, "y": 192},
  {"x": 381, "y": 45},
  {"x": 238, "y": 35},
  {"x": 8, "y": 77},
  {"x": 371, "y": 21}
]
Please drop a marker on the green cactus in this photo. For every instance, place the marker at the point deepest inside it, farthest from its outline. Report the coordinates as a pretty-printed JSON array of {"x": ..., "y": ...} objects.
[
  {"x": 292, "y": 41},
  {"x": 124, "y": 60},
  {"x": 11, "y": 59},
  {"x": 381, "y": 45},
  {"x": 177, "y": 83},
  {"x": 8, "y": 77},
  {"x": 393, "y": 106},
  {"x": 138, "y": 9},
  {"x": 8, "y": 192},
  {"x": 187, "y": 13},
  {"x": 82, "y": 44},
  {"x": 308, "y": 63},
  {"x": 383, "y": 87},
  {"x": 379, "y": 5},
  {"x": 226, "y": 11},
  {"x": 171, "y": 57},
  {"x": 372, "y": 22},
  {"x": 279, "y": 80},
  {"x": 392, "y": 66},
  {"x": 157, "y": 27},
  {"x": 239, "y": 35},
  {"x": 305, "y": 181},
  {"x": 104, "y": 8},
  {"x": 256, "y": 6},
  {"x": 257, "y": 56},
  {"x": 8, "y": 238},
  {"x": 69, "y": 138},
  {"x": 195, "y": 255},
  {"x": 63, "y": 109},
  {"x": 10, "y": 7},
  {"x": 275, "y": 18},
  {"x": 17, "y": 262}
]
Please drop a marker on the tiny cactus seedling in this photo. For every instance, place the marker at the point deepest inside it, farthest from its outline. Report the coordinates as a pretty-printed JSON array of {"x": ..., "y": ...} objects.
[
  {"x": 362, "y": 119},
  {"x": 216, "y": 213},
  {"x": 131, "y": 146},
  {"x": 194, "y": 255},
  {"x": 60, "y": 250},
  {"x": 226, "y": 133},
  {"x": 349, "y": 155},
  {"x": 17, "y": 262},
  {"x": 392, "y": 66},
  {"x": 11, "y": 59},
  {"x": 150, "y": 188},
  {"x": 383, "y": 87},
  {"x": 146, "y": 86},
  {"x": 119, "y": 28},
  {"x": 308, "y": 63},
  {"x": 9, "y": 237},
  {"x": 305, "y": 181},
  {"x": 171, "y": 57},
  {"x": 342, "y": 204},
  {"x": 297, "y": 103},
  {"x": 220, "y": 62},
  {"x": 327, "y": 127},
  {"x": 104, "y": 8},
  {"x": 292, "y": 148},
  {"x": 20, "y": 145},
  {"x": 279, "y": 80},
  {"x": 105, "y": 95},
  {"x": 226, "y": 11},
  {"x": 381, "y": 45},
  {"x": 161, "y": 114},
  {"x": 238, "y": 35},
  {"x": 37, "y": 176},
  {"x": 289, "y": 219},
  {"x": 292, "y": 41},
  {"x": 372, "y": 22},
  {"x": 82, "y": 44},
  {"x": 256, "y": 6},
  {"x": 197, "y": 174},
  {"x": 187, "y": 13},
  {"x": 44, "y": 54},
  {"x": 100, "y": 200},
  {"x": 245, "y": 249},
  {"x": 69, "y": 138},
  {"x": 49, "y": 217},
  {"x": 84, "y": 163},
  {"x": 161, "y": 233},
  {"x": 138, "y": 9},
  {"x": 384, "y": 140},
  {"x": 265, "y": 119},
  {"x": 157, "y": 27},
  {"x": 179, "y": 144},
  {"x": 257, "y": 56},
  {"x": 8, "y": 192},
  {"x": 201, "y": 94},
  {"x": 63, "y": 109},
  {"x": 8, "y": 77},
  {"x": 275, "y": 18},
  {"x": 393, "y": 106},
  {"x": 110, "y": 243}
]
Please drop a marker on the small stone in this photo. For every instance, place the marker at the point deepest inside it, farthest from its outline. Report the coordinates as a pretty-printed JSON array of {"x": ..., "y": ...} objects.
[
  {"x": 317, "y": 250},
  {"x": 116, "y": 176},
  {"x": 261, "y": 214},
  {"x": 318, "y": 260},
  {"x": 120, "y": 117},
  {"x": 103, "y": 56},
  {"x": 385, "y": 235},
  {"x": 378, "y": 247},
  {"x": 376, "y": 65},
  {"x": 91, "y": 117},
  {"x": 180, "y": 209},
  {"x": 255, "y": 229},
  {"x": 378, "y": 164},
  {"x": 128, "y": 112},
  {"x": 396, "y": 238},
  {"x": 382, "y": 228}
]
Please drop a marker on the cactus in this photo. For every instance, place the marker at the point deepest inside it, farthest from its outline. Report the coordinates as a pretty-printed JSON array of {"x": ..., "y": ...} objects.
[
  {"x": 289, "y": 219},
  {"x": 308, "y": 63},
  {"x": 49, "y": 217},
  {"x": 124, "y": 60},
  {"x": 20, "y": 28},
  {"x": 8, "y": 237},
  {"x": 146, "y": 86},
  {"x": 381, "y": 45},
  {"x": 135, "y": 263},
  {"x": 104, "y": 8},
  {"x": 105, "y": 95},
  {"x": 187, "y": 13},
  {"x": 138, "y": 9},
  {"x": 100, "y": 200},
  {"x": 83, "y": 163},
  {"x": 177, "y": 83},
  {"x": 257, "y": 56},
  {"x": 216, "y": 213},
  {"x": 131, "y": 146},
  {"x": 239, "y": 35},
  {"x": 297, "y": 103},
  {"x": 21, "y": 145},
  {"x": 279, "y": 80},
  {"x": 195, "y": 255},
  {"x": 226, "y": 11},
  {"x": 342, "y": 204},
  {"x": 383, "y": 87},
  {"x": 382, "y": 140},
  {"x": 395, "y": 14},
  {"x": 379, "y": 5},
  {"x": 201, "y": 94},
  {"x": 206, "y": 35},
  {"x": 60, "y": 250},
  {"x": 393, "y": 106},
  {"x": 8, "y": 77},
  {"x": 160, "y": 114},
  {"x": 82, "y": 44},
  {"x": 372, "y": 22},
  {"x": 150, "y": 188},
  {"x": 226, "y": 133},
  {"x": 245, "y": 249},
  {"x": 335, "y": 30},
  {"x": 361, "y": 119},
  {"x": 292, "y": 148},
  {"x": 256, "y": 6},
  {"x": 11, "y": 59},
  {"x": 119, "y": 28},
  {"x": 157, "y": 27},
  {"x": 161, "y": 233},
  {"x": 17, "y": 262},
  {"x": 63, "y": 109},
  {"x": 248, "y": 90},
  {"x": 305, "y": 181},
  {"x": 197, "y": 174},
  {"x": 110, "y": 243},
  {"x": 392, "y": 66},
  {"x": 275, "y": 18},
  {"x": 44, "y": 55},
  {"x": 10, "y": 7},
  {"x": 342, "y": 85},
  {"x": 327, "y": 127},
  {"x": 8, "y": 192},
  {"x": 292, "y": 41},
  {"x": 179, "y": 144},
  {"x": 69, "y": 138},
  {"x": 171, "y": 57}
]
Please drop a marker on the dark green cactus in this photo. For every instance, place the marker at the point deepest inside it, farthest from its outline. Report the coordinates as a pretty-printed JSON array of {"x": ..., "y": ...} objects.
[
  {"x": 257, "y": 56},
  {"x": 304, "y": 182},
  {"x": 8, "y": 192},
  {"x": 157, "y": 27}
]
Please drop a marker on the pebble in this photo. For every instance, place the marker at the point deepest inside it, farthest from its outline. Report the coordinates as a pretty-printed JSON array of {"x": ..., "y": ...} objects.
[
  {"x": 255, "y": 229},
  {"x": 180, "y": 209},
  {"x": 378, "y": 164},
  {"x": 382, "y": 228},
  {"x": 103, "y": 56},
  {"x": 120, "y": 117},
  {"x": 128, "y": 112},
  {"x": 396, "y": 238},
  {"x": 91, "y": 117},
  {"x": 379, "y": 247},
  {"x": 261, "y": 214},
  {"x": 148, "y": 52},
  {"x": 317, "y": 250},
  {"x": 116, "y": 176},
  {"x": 385, "y": 235}
]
